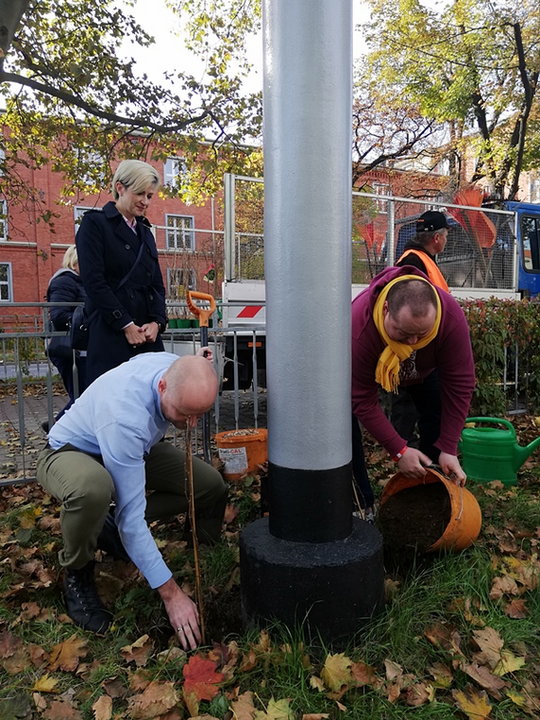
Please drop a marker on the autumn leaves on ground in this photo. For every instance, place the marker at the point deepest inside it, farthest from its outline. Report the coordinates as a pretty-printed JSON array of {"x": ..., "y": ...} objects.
[{"x": 458, "y": 637}]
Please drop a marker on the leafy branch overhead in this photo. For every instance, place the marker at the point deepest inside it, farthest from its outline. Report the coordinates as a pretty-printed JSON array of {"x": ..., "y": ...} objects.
[
  {"x": 72, "y": 98},
  {"x": 472, "y": 69}
]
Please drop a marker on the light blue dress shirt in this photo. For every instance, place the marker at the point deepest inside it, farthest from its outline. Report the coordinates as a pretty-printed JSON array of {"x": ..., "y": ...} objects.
[{"x": 119, "y": 417}]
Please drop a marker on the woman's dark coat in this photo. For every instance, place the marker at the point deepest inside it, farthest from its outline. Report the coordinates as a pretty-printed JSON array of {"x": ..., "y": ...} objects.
[
  {"x": 66, "y": 286},
  {"x": 107, "y": 249}
]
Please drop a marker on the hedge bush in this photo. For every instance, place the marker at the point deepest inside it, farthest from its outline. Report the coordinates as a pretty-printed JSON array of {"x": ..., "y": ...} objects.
[{"x": 503, "y": 331}]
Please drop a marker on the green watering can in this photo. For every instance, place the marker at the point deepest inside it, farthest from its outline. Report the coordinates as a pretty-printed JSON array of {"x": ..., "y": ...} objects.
[{"x": 492, "y": 453}]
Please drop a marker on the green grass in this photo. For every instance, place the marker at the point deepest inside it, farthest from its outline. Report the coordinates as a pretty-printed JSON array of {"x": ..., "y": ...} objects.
[{"x": 454, "y": 590}]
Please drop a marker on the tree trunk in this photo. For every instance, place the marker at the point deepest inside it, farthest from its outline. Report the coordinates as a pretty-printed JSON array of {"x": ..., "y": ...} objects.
[{"x": 11, "y": 12}]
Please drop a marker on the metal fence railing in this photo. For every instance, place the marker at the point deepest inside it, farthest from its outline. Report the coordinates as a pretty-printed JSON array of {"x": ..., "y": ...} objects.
[
  {"x": 481, "y": 251},
  {"x": 31, "y": 392}
]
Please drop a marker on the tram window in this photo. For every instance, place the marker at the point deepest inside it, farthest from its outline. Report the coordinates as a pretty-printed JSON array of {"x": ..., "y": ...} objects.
[{"x": 530, "y": 233}]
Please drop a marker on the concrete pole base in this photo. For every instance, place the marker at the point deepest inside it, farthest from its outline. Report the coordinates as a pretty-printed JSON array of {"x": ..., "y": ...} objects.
[{"x": 328, "y": 588}]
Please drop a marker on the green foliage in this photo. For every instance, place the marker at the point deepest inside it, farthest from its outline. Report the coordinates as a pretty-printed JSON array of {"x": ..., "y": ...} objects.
[
  {"x": 72, "y": 100},
  {"x": 499, "y": 330},
  {"x": 471, "y": 66}
]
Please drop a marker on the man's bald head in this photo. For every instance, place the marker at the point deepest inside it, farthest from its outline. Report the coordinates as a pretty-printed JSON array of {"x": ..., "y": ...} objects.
[
  {"x": 410, "y": 311},
  {"x": 188, "y": 389},
  {"x": 417, "y": 295}
]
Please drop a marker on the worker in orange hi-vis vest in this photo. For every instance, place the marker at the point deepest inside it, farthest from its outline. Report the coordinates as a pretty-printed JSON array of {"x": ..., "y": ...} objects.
[{"x": 430, "y": 240}]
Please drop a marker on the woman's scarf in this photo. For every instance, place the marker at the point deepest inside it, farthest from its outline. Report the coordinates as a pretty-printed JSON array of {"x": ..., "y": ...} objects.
[{"x": 387, "y": 370}]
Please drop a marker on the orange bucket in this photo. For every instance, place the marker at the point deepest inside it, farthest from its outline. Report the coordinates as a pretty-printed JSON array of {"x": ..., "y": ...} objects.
[
  {"x": 242, "y": 451},
  {"x": 465, "y": 517}
]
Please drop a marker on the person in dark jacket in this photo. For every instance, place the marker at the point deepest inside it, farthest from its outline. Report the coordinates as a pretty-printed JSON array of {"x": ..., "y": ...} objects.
[
  {"x": 120, "y": 271},
  {"x": 66, "y": 286}
]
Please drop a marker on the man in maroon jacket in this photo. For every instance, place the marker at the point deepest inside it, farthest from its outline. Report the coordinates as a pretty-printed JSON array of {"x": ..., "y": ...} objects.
[{"x": 403, "y": 329}]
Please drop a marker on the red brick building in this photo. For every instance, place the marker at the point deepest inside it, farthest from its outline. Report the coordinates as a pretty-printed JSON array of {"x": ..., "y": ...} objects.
[{"x": 188, "y": 238}]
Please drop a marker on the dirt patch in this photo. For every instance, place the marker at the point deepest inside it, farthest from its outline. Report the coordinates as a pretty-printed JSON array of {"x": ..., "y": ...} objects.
[
  {"x": 223, "y": 615},
  {"x": 415, "y": 517}
]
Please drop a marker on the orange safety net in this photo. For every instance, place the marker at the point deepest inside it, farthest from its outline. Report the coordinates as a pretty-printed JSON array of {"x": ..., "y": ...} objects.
[
  {"x": 373, "y": 237},
  {"x": 476, "y": 223}
]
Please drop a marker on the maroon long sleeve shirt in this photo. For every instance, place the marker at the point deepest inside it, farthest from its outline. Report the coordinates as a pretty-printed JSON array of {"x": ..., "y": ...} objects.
[{"x": 450, "y": 353}]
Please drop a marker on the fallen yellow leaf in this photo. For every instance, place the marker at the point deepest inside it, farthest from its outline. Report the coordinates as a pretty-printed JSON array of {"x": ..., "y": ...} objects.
[
  {"x": 508, "y": 663},
  {"x": 316, "y": 683},
  {"x": 45, "y": 683},
  {"x": 337, "y": 671},
  {"x": 474, "y": 704},
  {"x": 276, "y": 710},
  {"x": 441, "y": 674},
  {"x": 516, "y": 698}
]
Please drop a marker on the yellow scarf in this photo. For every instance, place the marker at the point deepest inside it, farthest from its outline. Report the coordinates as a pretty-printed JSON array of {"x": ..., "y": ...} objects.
[{"x": 387, "y": 370}]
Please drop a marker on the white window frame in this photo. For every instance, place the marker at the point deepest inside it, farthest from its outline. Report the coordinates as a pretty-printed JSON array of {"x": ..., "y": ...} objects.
[
  {"x": 182, "y": 235},
  {"x": 2, "y": 161},
  {"x": 3, "y": 220},
  {"x": 6, "y": 283},
  {"x": 534, "y": 189},
  {"x": 78, "y": 212},
  {"x": 380, "y": 188},
  {"x": 173, "y": 168},
  {"x": 176, "y": 277}
]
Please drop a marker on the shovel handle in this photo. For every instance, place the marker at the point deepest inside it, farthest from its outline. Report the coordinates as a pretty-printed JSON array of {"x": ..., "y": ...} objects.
[{"x": 201, "y": 305}]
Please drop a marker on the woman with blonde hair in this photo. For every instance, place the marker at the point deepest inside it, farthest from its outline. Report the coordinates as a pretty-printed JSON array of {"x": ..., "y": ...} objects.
[
  {"x": 66, "y": 286},
  {"x": 120, "y": 271}
]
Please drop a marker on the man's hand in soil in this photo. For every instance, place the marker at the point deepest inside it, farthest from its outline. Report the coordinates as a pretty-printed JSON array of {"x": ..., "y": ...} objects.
[
  {"x": 452, "y": 469},
  {"x": 183, "y": 614},
  {"x": 413, "y": 463}
]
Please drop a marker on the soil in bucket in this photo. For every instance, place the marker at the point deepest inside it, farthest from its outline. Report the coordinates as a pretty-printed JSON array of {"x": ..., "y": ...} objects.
[
  {"x": 415, "y": 517},
  {"x": 426, "y": 516}
]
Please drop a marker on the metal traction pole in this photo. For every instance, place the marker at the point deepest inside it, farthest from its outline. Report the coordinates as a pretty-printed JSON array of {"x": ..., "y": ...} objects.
[{"x": 309, "y": 563}]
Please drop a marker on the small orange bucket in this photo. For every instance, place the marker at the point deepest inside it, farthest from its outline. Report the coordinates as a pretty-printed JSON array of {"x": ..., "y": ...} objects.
[
  {"x": 465, "y": 519},
  {"x": 242, "y": 451}
]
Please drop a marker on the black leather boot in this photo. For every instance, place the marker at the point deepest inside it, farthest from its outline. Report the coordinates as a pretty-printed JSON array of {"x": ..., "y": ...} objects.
[
  {"x": 82, "y": 600},
  {"x": 109, "y": 540}
]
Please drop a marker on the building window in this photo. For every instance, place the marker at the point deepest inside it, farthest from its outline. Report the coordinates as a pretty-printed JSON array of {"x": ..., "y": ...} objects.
[
  {"x": 179, "y": 232},
  {"x": 179, "y": 281},
  {"x": 3, "y": 220},
  {"x": 93, "y": 168},
  {"x": 2, "y": 162},
  {"x": 5, "y": 282},
  {"x": 381, "y": 189},
  {"x": 78, "y": 212},
  {"x": 173, "y": 170},
  {"x": 534, "y": 190}
]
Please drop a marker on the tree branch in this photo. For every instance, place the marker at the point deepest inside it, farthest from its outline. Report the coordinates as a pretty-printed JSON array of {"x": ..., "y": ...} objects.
[{"x": 71, "y": 99}]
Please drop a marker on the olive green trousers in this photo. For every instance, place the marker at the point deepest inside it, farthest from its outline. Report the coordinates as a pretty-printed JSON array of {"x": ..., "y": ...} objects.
[{"x": 85, "y": 489}]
